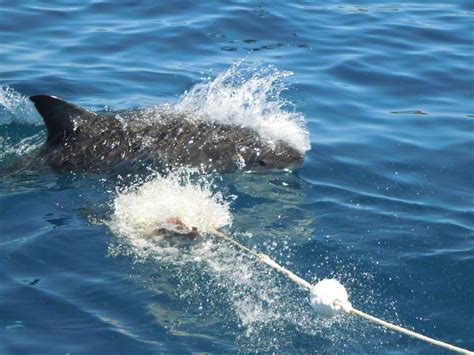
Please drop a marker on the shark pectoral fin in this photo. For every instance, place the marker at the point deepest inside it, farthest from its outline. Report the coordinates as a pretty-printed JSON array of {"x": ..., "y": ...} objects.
[{"x": 59, "y": 116}]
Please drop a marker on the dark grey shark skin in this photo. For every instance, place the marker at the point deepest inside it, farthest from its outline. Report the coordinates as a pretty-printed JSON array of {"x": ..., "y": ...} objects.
[{"x": 81, "y": 140}]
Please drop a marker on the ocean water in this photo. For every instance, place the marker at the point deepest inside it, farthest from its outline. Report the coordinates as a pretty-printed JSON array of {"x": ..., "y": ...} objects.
[{"x": 380, "y": 96}]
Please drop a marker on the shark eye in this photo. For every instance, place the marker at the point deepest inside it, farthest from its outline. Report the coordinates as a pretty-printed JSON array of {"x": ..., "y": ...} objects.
[{"x": 262, "y": 163}]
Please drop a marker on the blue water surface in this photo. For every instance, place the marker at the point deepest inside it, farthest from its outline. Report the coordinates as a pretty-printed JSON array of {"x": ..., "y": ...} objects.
[{"x": 384, "y": 201}]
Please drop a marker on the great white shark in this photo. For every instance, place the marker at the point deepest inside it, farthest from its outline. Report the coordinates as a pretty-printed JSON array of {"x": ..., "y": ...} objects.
[{"x": 82, "y": 140}]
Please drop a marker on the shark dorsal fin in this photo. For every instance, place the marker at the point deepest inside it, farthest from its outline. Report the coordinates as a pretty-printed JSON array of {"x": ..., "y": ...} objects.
[{"x": 59, "y": 116}]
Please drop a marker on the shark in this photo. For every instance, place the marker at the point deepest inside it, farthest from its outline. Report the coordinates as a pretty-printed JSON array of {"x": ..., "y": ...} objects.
[{"x": 79, "y": 139}]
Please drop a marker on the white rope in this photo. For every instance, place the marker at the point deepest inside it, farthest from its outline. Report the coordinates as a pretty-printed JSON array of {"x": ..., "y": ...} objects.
[
  {"x": 266, "y": 260},
  {"x": 346, "y": 306},
  {"x": 397, "y": 328}
]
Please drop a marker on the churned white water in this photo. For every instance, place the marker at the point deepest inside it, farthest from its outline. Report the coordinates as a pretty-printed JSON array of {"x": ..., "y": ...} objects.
[
  {"x": 249, "y": 96},
  {"x": 141, "y": 210},
  {"x": 17, "y": 108}
]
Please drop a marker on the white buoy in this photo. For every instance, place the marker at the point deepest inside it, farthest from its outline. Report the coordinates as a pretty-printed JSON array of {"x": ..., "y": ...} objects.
[{"x": 329, "y": 297}]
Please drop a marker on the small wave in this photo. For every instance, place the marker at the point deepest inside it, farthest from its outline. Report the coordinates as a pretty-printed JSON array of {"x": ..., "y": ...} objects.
[{"x": 249, "y": 96}]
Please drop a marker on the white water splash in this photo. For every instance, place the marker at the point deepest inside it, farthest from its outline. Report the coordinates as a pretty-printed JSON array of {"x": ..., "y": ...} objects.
[
  {"x": 249, "y": 97},
  {"x": 17, "y": 108},
  {"x": 141, "y": 210}
]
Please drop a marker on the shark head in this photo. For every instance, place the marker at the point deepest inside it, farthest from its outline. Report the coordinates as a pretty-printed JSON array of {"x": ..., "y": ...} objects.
[{"x": 272, "y": 156}]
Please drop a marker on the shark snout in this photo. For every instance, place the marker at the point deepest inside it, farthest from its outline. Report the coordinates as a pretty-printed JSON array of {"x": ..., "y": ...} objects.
[{"x": 284, "y": 157}]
